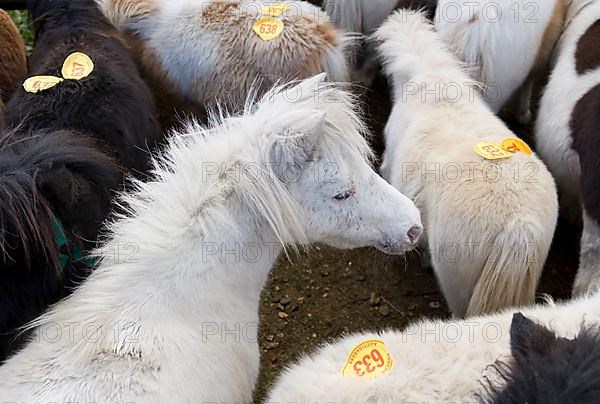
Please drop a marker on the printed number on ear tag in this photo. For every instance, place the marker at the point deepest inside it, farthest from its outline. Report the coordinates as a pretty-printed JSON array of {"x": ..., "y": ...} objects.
[
  {"x": 40, "y": 83},
  {"x": 491, "y": 151},
  {"x": 275, "y": 10},
  {"x": 515, "y": 145},
  {"x": 77, "y": 66},
  {"x": 368, "y": 360},
  {"x": 268, "y": 28}
]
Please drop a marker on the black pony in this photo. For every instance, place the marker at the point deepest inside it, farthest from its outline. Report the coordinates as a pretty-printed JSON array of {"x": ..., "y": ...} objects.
[
  {"x": 547, "y": 369},
  {"x": 65, "y": 152}
]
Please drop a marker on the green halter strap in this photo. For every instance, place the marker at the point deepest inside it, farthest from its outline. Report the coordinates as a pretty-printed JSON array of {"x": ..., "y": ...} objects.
[{"x": 62, "y": 241}]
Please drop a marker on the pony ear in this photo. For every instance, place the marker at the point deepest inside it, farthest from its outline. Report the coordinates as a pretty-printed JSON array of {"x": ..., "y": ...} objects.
[
  {"x": 527, "y": 337},
  {"x": 290, "y": 153},
  {"x": 59, "y": 185}
]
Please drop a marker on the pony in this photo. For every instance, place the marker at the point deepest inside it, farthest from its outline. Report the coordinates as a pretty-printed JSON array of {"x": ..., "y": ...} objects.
[
  {"x": 451, "y": 361},
  {"x": 13, "y": 60},
  {"x": 546, "y": 368},
  {"x": 566, "y": 129},
  {"x": 63, "y": 154},
  {"x": 507, "y": 44},
  {"x": 222, "y": 204},
  {"x": 489, "y": 223},
  {"x": 216, "y": 57}
]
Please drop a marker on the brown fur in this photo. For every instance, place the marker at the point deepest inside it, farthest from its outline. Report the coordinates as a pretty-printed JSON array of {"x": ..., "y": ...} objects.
[
  {"x": 587, "y": 55},
  {"x": 13, "y": 58},
  {"x": 301, "y": 58},
  {"x": 551, "y": 36}
]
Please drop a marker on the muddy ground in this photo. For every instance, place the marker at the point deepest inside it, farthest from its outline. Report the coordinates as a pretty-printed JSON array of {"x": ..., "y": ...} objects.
[{"x": 323, "y": 293}]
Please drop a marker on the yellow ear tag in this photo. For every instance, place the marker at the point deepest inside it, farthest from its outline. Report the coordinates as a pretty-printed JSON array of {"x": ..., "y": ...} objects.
[
  {"x": 275, "y": 10},
  {"x": 491, "y": 151},
  {"x": 368, "y": 360},
  {"x": 515, "y": 145},
  {"x": 77, "y": 66},
  {"x": 268, "y": 28},
  {"x": 40, "y": 83}
]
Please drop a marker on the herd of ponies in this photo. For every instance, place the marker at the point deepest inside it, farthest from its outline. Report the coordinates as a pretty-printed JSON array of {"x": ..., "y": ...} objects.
[{"x": 185, "y": 133}]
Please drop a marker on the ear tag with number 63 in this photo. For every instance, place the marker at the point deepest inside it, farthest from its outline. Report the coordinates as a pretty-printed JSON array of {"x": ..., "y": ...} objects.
[
  {"x": 491, "y": 151},
  {"x": 268, "y": 28},
  {"x": 368, "y": 360}
]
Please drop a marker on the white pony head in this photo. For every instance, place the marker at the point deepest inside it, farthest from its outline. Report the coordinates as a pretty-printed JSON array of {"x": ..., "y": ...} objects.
[{"x": 317, "y": 152}]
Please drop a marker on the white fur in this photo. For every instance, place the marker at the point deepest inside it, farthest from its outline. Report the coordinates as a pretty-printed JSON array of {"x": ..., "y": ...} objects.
[
  {"x": 175, "y": 322},
  {"x": 499, "y": 38},
  {"x": 554, "y": 138},
  {"x": 434, "y": 361},
  {"x": 211, "y": 64},
  {"x": 488, "y": 224}
]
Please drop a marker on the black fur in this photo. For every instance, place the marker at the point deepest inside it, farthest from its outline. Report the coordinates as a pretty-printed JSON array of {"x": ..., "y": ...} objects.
[
  {"x": 64, "y": 156},
  {"x": 587, "y": 57},
  {"x": 547, "y": 369},
  {"x": 585, "y": 129}
]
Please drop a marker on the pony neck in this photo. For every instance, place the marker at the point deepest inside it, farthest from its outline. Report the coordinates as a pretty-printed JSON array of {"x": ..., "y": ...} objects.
[{"x": 188, "y": 247}]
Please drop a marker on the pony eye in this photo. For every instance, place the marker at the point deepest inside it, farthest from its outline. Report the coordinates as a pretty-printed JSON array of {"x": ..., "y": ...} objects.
[{"x": 342, "y": 196}]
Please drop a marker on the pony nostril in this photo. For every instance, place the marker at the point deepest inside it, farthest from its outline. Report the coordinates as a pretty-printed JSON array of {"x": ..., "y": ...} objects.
[{"x": 414, "y": 233}]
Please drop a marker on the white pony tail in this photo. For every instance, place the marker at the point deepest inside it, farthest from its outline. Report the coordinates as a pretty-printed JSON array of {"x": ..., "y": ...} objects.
[
  {"x": 410, "y": 46},
  {"x": 511, "y": 273}
]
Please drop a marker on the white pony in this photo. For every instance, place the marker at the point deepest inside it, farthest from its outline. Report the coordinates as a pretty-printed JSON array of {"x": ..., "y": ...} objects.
[
  {"x": 434, "y": 361},
  {"x": 489, "y": 224},
  {"x": 567, "y": 131},
  {"x": 171, "y": 314},
  {"x": 208, "y": 52},
  {"x": 505, "y": 41}
]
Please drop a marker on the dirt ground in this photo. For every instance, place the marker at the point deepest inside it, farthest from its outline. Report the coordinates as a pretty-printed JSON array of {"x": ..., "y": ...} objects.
[{"x": 323, "y": 293}]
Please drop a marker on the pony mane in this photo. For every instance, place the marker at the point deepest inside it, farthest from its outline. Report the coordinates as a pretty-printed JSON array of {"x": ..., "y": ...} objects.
[{"x": 234, "y": 143}]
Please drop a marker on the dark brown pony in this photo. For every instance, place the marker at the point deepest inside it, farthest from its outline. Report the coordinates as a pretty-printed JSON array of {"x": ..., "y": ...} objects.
[
  {"x": 65, "y": 152},
  {"x": 13, "y": 60}
]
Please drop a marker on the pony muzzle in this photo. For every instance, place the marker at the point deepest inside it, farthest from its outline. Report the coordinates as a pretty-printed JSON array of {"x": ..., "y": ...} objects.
[{"x": 400, "y": 244}]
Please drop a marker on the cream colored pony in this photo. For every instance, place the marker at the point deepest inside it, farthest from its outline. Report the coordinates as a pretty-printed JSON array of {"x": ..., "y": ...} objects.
[{"x": 489, "y": 223}]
